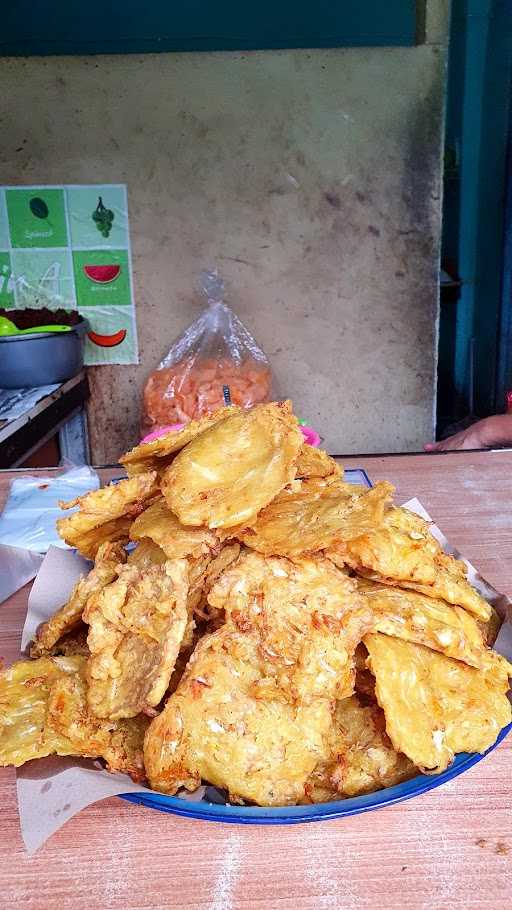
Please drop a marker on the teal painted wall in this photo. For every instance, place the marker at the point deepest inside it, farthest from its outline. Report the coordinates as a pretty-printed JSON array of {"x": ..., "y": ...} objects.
[
  {"x": 109, "y": 26},
  {"x": 476, "y": 132}
]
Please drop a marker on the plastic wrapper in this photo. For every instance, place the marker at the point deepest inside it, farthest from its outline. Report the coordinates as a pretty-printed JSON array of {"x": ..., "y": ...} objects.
[
  {"x": 29, "y": 515},
  {"x": 215, "y": 362}
]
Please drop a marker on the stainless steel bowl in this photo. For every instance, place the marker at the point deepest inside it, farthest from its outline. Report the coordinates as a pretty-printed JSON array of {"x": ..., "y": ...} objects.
[{"x": 42, "y": 358}]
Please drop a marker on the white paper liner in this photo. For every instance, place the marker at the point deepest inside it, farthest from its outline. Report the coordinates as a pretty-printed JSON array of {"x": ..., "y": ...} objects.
[
  {"x": 52, "y": 790},
  {"x": 52, "y": 587},
  {"x": 17, "y": 567}
]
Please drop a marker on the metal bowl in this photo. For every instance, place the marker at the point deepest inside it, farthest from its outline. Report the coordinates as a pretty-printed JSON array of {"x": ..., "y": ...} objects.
[{"x": 41, "y": 358}]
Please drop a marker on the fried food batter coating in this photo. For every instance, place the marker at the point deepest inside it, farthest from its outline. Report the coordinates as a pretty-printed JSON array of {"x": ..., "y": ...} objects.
[
  {"x": 313, "y": 462},
  {"x": 43, "y": 711},
  {"x": 24, "y": 693},
  {"x": 253, "y": 710},
  {"x": 214, "y": 727},
  {"x": 146, "y": 554},
  {"x": 118, "y": 742},
  {"x": 108, "y": 558},
  {"x": 136, "y": 627},
  {"x": 161, "y": 526},
  {"x": 225, "y": 476},
  {"x": 203, "y": 573},
  {"x": 70, "y": 645},
  {"x": 361, "y": 759},
  {"x": 106, "y": 514},
  {"x": 309, "y": 617},
  {"x": 306, "y": 517},
  {"x": 431, "y": 622},
  {"x": 435, "y": 707},
  {"x": 403, "y": 551},
  {"x": 157, "y": 454}
]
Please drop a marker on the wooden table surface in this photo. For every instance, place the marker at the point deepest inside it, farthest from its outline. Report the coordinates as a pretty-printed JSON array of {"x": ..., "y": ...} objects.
[{"x": 451, "y": 848}]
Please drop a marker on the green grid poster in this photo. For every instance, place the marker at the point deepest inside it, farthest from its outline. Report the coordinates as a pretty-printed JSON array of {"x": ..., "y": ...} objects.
[{"x": 69, "y": 246}]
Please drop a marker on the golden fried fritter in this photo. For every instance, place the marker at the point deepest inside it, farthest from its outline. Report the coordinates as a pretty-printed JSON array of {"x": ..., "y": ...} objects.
[
  {"x": 313, "y": 462},
  {"x": 203, "y": 570},
  {"x": 306, "y": 517},
  {"x": 136, "y": 627},
  {"x": 253, "y": 709},
  {"x": 43, "y": 711},
  {"x": 108, "y": 558},
  {"x": 161, "y": 526},
  {"x": 106, "y": 514},
  {"x": 431, "y": 622},
  {"x": 70, "y": 645},
  {"x": 262, "y": 592},
  {"x": 230, "y": 472},
  {"x": 24, "y": 693},
  {"x": 203, "y": 573},
  {"x": 228, "y": 554},
  {"x": 435, "y": 706},
  {"x": 157, "y": 454},
  {"x": 146, "y": 554},
  {"x": 403, "y": 551},
  {"x": 214, "y": 727},
  {"x": 361, "y": 759},
  {"x": 309, "y": 618},
  {"x": 118, "y": 742}
]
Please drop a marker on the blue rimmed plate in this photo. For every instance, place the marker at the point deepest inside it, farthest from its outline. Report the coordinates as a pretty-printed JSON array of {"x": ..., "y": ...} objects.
[{"x": 290, "y": 815}]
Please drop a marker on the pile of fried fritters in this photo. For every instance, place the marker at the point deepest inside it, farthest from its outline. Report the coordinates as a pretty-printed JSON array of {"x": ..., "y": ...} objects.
[{"x": 273, "y": 630}]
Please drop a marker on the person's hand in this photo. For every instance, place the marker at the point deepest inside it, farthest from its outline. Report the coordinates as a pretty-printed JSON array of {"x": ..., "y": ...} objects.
[
  {"x": 491, "y": 431},
  {"x": 466, "y": 439}
]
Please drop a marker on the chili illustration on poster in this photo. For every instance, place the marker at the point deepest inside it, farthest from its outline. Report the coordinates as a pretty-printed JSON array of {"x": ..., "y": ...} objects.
[{"x": 69, "y": 246}]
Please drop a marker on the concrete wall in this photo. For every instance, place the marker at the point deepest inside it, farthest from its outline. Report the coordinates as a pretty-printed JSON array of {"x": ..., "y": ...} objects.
[{"x": 311, "y": 179}]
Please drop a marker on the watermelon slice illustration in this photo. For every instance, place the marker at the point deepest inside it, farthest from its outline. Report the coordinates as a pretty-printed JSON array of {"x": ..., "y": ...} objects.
[
  {"x": 108, "y": 341},
  {"x": 102, "y": 274}
]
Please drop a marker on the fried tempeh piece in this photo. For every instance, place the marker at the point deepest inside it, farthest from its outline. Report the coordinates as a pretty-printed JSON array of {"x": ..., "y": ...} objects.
[
  {"x": 161, "y": 526},
  {"x": 313, "y": 462},
  {"x": 227, "y": 474},
  {"x": 309, "y": 616},
  {"x": 136, "y": 628},
  {"x": 118, "y": 742},
  {"x": 70, "y": 645},
  {"x": 435, "y": 707},
  {"x": 252, "y": 712},
  {"x": 43, "y": 711},
  {"x": 214, "y": 727},
  {"x": 107, "y": 514},
  {"x": 146, "y": 554},
  {"x": 307, "y": 517},
  {"x": 403, "y": 551},
  {"x": 108, "y": 558},
  {"x": 431, "y": 622},
  {"x": 157, "y": 454},
  {"x": 203, "y": 573},
  {"x": 362, "y": 758}
]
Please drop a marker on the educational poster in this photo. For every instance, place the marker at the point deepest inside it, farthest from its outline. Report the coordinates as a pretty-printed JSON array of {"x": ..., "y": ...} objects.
[{"x": 69, "y": 246}]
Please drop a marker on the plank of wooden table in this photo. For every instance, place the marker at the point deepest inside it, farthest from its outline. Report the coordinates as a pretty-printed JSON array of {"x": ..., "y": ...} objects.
[{"x": 450, "y": 849}]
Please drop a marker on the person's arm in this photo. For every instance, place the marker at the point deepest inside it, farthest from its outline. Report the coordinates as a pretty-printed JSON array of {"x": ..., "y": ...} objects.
[{"x": 486, "y": 433}]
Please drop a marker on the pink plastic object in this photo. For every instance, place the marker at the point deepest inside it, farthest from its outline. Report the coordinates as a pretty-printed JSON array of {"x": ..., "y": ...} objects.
[
  {"x": 311, "y": 436},
  {"x": 162, "y": 431}
]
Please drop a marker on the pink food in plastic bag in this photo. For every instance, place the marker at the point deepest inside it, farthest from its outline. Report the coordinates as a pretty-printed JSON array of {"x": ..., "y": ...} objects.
[{"x": 216, "y": 361}]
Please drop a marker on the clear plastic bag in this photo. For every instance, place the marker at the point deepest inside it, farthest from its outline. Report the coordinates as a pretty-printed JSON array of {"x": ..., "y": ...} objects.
[
  {"x": 32, "y": 508},
  {"x": 216, "y": 361}
]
